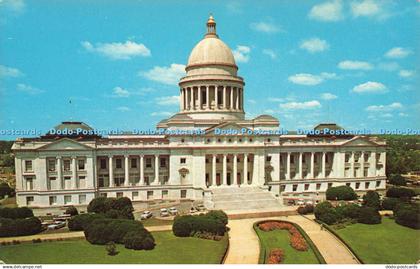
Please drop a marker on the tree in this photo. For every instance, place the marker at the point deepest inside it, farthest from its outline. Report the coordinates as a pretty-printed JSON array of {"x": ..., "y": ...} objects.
[
  {"x": 369, "y": 215},
  {"x": 407, "y": 215},
  {"x": 397, "y": 180},
  {"x": 371, "y": 199},
  {"x": 6, "y": 190},
  {"x": 72, "y": 211},
  {"x": 399, "y": 192},
  {"x": 341, "y": 193}
]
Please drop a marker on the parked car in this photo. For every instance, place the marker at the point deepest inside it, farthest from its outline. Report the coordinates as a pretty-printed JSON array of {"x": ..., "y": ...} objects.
[
  {"x": 56, "y": 225},
  {"x": 300, "y": 202},
  {"x": 309, "y": 203},
  {"x": 173, "y": 211},
  {"x": 164, "y": 212},
  {"x": 146, "y": 215},
  {"x": 200, "y": 207}
]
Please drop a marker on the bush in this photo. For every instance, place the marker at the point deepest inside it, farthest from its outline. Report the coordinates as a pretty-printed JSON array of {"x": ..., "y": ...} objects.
[
  {"x": 307, "y": 209},
  {"x": 397, "y": 180},
  {"x": 80, "y": 222},
  {"x": 72, "y": 211},
  {"x": 182, "y": 226},
  {"x": 6, "y": 190},
  {"x": 218, "y": 215},
  {"x": 97, "y": 205},
  {"x": 341, "y": 193},
  {"x": 213, "y": 222},
  {"x": 351, "y": 211},
  {"x": 114, "y": 207},
  {"x": 390, "y": 203},
  {"x": 138, "y": 241},
  {"x": 398, "y": 192},
  {"x": 407, "y": 215},
  {"x": 369, "y": 215},
  {"x": 371, "y": 199},
  {"x": 16, "y": 213},
  {"x": 111, "y": 249},
  {"x": 322, "y": 208},
  {"x": 17, "y": 227}
]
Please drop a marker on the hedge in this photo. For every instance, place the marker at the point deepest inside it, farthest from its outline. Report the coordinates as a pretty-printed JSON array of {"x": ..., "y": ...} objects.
[
  {"x": 390, "y": 203},
  {"x": 17, "y": 227},
  {"x": 371, "y": 199},
  {"x": 121, "y": 208},
  {"x": 212, "y": 222},
  {"x": 341, "y": 193},
  {"x": 80, "y": 222},
  {"x": 16, "y": 213},
  {"x": 397, "y": 192},
  {"x": 407, "y": 215},
  {"x": 369, "y": 215}
]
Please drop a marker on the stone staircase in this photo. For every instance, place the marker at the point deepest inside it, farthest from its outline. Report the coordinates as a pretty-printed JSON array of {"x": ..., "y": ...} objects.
[{"x": 249, "y": 199}]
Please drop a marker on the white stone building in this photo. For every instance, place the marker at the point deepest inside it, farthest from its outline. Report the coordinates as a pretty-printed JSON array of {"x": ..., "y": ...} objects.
[{"x": 56, "y": 170}]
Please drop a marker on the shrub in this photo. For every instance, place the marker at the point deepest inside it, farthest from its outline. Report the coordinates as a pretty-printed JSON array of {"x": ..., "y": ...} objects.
[
  {"x": 276, "y": 256},
  {"x": 6, "y": 190},
  {"x": 138, "y": 241},
  {"x": 341, "y": 193},
  {"x": 326, "y": 213},
  {"x": 407, "y": 215},
  {"x": 111, "y": 249},
  {"x": 72, "y": 211},
  {"x": 371, "y": 199},
  {"x": 329, "y": 217},
  {"x": 17, "y": 227},
  {"x": 322, "y": 208},
  {"x": 350, "y": 211},
  {"x": 398, "y": 192},
  {"x": 369, "y": 215},
  {"x": 307, "y": 209},
  {"x": 80, "y": 222},
  {"x": 182, "y": 226},
  {"x": 35, "y": 241},
  {"x": 16, "y": 213},
  {"x": 390, "y": 203},
  {"x": 97, "y": 205},
  {"x": 218, "y": 215},
  {"x": 111, "y": 206},
  {"x": 397, "y": 179},
  {"x": 213, "y": 222}
]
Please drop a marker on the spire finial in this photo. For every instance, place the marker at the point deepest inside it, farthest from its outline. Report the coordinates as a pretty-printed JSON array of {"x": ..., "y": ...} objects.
[{"x": 211, "y": 27}]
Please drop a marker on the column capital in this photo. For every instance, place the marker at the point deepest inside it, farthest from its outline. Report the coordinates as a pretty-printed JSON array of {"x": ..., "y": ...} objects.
[{"x": 58, "y": 157}]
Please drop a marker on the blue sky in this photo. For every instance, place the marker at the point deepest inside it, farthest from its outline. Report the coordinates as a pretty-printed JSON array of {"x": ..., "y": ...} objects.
[{"x": 352, "y": 62}]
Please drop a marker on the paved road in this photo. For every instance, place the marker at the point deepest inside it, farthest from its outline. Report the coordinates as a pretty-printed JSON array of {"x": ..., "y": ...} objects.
[{"x": 244, "y": 244}]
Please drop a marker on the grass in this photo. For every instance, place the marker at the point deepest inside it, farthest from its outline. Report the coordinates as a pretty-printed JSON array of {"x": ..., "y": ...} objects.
[
  {"x": 280, "y": 239},
  {"x": 157, "y": 222},
  {"x": 385, "y": 243},
  {"x": 169, "y": 250}
]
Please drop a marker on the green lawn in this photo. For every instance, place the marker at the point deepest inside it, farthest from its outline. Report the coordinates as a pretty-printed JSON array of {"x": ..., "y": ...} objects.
[
  {"x": 169, "y": 250},
  {"x": 383, "y": 243},
  {"x": 280, "y": 239},
  {"x": 157, "y": 222}
]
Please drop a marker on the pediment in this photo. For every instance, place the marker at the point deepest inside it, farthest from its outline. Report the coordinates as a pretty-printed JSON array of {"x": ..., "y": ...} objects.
[
  {"x": 359, "y": 141},
  {"x": 228, "y": 127},
  {"x": 65, "y": 144}
]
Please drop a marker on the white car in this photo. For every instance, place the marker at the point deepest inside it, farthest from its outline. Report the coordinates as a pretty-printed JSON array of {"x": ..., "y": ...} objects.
[
  {"x": 56, "y": 225},
  {"x": 309, "y": 203},
  {"x": 164, "y": 212},
  {"x": 200, "y": 207},
  {"x": 173, "y": 211},
  {"x": 300, "y": 202},
  {"x": 146, "y": 215}
]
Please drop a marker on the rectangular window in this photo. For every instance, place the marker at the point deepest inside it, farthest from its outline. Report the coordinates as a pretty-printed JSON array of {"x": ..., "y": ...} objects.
[
  {"x": 378, "y": 183},
  {"x": 148, "y": 163},
  {"x": 162, "y": 162},
  {"x": 120, "y": 194},
  {"x": 347, "y": 158},
  {"x": 52, "y": 178},
  {"x": 306, "y": 187},
  {"x": 183, "y": 193},
  {"x": 104, "y": 194},
  {"x": 268, "y": 158},
  {"x": 357, "y": 185},
  {"x": 67, "y": 199},
  {"x": 292, "y": 159},
  {"x": 318, "y": 186},
  {"x": 329, "y": 185},
  {"x": 149, "y": 195},
  {"x": 53, "y": 200},
  {"x": 366, "y": 156},
  {"x": 366, "y": 185},
  {"x": 81, "y": 164},
  {"x": 66, "y": 165},
  {"x": 82, "y": 199},
  {"x": 133, "y": 163},
  {"x": 29, "y": 200},
  {"x": 183, "y": 160},
  {"x": 134, "y": 195},
  {"x": 365, "y": 172},
  {"x": 348, "y": 184},
  {"x": 29, "y": 183},
  {"x": 295, "y": 187},
  {"x": 51, "y": 165},
  {"x": 28, "y": 166},
  {"x": 118, "y": 163},
  {"x": 119, "y": 180},
  {"x": 282, "y": 188},
  {"x": 164, "y": 194},
  {"x": 103, "y": 163}
]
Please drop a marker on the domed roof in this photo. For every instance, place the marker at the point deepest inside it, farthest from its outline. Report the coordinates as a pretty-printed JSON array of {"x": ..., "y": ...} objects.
[{"x": 211, "y": 50}]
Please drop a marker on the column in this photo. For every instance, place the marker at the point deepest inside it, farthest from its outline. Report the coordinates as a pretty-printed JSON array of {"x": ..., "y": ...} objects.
[
  {"x": 231, "y": 97},
  {"x": 224, "y": 170},
  {"x": 141, "y": 169},
  {"x": 323, "y": 164},
  {"x": 312, "y": 164},
  {"x": 181, "y": 104},
  {"x": 246, "y": 169},
  {"x": 237, "y": 99},
  {"x": 300, "y": 165},
  {"x": 199, "y": 97},
  {"x": 127, "y": 172},
  {"x": 59, "y": 173},
  {"x": 208, "y": 97},
  {"x": 235, "y": 169},
  {"x": 213, "y": 168},
  {"x": 156, "y": 180},
  {"x": 352, "y": 165},
  {"x": 74, "y": 172},
  {"x": 224, "y": 97},
  {"x": 216, "y": 93},
  {"x": 372, "y": 164},
  {"x": 362, "y": 165},
  {"x": 111, "y": 171},
  {"x": 288, "y": 166},
  {"x": 191, "y": 98}
]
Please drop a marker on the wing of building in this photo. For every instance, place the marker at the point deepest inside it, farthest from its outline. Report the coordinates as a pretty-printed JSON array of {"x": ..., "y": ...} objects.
[{"x": 228, "y": 160}]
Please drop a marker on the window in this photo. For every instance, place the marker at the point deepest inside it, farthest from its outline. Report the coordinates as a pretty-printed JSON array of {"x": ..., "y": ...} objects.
[
  {"x": 104, "y": 194},
  {"x": 134, "y": 195},
  {"x": 52, "y": 178},
  {"x": 118, "y": 163},
  {"x": 149, "y": 195},
  {"x": 82, "y": 199},
  {"x": 53, "y": 200},
  {"x": 29, "y": 183},
  {"x": 148, "y": 163},
  {"x": 28, "y": 166},
  {"x": 207, "y": 160},
  {"x": 133, "y": 163},
  {"x": 282, "y": 188},
  {"x": 365, "y": 172},
  {"x": 292, "y": 159},
  {"x": 318, "y": 186},
  {"x": 81, "y": 164},
  {"x": 183, "y": 193},
  {"x": 66, "y": 165},
  {"x": 29, "y": 200},
  {"x": 295, "y": 187},
  {"x": 378, "y": 183},
  {"x": 51, "y": 165},
  {"x": 347, "y": 158},
  {"x": 366, "y": 185},
  {"x": 103, "y": 163},
  {"x": 120, "y": 194},
  {"x": 164, "y": 194},
  {"x": 162, "y": 162},
  {"x": 329, "y": 185},
  {"x": 81, "y": 178},
  {"x": 183, "y": 160},
  {"x": 268, "y": 158},
  {"x": 119, "y": 180},
  {"x": 306, "y": 187},
  {"x": 67, "y": 178},
  {"x": 357, "y": 185},
  {"x": 348, "y": 184},
  {"x": 366, "y": 156},
  {"x": 67, "y": 199}
]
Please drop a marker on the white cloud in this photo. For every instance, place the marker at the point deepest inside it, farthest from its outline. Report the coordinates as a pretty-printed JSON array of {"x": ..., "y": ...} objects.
[
  {"x": 397, "y": 52},
  {"x": 309, "y": 79},
  {"x": 265, "y": 27},
  {"x": 406, "y": 73},
  {"x": 28, "y": 89},
  {"x": 370, "y": 87},
  {"x": 9, "y": 71},
  {"x": 120, "y": 92},
  {"x": 328, "y": 96},
  {"x": 384, "y": 108},
  {"x": 118, "y": 51},
  {"x": 168, "y": 100},
  {"x": 328, "y": 11},
  {"x": 365, "y": 8},
  {"x": 167, "y": 75},
  {"x": 354, "y": 65},
  {"x": 314, "y": 45},
  {"x": 241, "y": 53},
  {"x": 270, "y": 53},
  {"x": 314, "y": 104},
  {"x": 162, "y": 114},
  {"x": 123, "y": 108}
]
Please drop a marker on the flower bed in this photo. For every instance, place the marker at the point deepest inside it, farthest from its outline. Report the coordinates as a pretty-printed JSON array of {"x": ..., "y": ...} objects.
[
  {"x": 296, "y": 239},
  {"x": 276, "y": 256}
]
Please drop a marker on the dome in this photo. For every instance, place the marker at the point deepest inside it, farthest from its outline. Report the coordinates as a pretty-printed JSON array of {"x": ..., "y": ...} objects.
[{"x": 211, "y": 50}]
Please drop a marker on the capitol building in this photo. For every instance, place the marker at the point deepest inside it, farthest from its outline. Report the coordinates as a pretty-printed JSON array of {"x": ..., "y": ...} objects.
[{"x": 253, "y": 168}]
